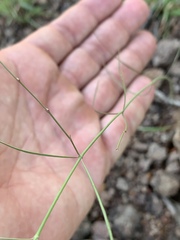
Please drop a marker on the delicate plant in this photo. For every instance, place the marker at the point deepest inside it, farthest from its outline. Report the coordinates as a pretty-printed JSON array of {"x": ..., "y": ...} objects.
[
  {"x": 34, "y": 11},
  {"x": 164, "y": 10},
  {"x": 79, "y": 155},
  {"x": 21, "y": 11}
]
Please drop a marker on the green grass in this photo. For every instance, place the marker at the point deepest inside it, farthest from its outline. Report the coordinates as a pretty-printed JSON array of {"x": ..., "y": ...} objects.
[
  {"x": 168, "y": 8},
  {"x": 21, "y": 11},
  {"x": 24, "y": 11},
  {"x": 164, "y": 11}
]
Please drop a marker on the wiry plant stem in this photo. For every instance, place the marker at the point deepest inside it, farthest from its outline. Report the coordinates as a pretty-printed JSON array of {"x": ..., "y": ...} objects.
[{"x": 38, "y": 233}]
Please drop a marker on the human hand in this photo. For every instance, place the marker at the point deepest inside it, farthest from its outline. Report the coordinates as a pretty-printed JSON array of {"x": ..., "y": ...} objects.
[{"x": 61, "y": 64}]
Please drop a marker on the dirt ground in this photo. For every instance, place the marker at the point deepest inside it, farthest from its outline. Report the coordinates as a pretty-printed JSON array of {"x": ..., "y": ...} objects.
[{"x": 142, "y": 192}]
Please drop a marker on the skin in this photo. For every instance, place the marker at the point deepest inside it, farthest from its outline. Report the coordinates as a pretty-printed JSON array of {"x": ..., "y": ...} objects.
[{"x": 61, "y": 64}]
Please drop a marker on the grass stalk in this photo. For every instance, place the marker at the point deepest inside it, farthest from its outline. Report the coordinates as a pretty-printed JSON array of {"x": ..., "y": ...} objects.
[{"x": 125, "y": 106}]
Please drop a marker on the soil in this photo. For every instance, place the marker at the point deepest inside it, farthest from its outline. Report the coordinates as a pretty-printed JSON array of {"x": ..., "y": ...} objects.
[{"x": 142, "y": 192}]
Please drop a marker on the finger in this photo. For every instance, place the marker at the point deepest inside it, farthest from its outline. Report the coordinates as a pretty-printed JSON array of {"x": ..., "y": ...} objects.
[
  {"x": 59, "y": 37},
  {"x": 104, "y": 90},
  {"x": 108, "y": 39},
  {"x": 134, "y": 114}
]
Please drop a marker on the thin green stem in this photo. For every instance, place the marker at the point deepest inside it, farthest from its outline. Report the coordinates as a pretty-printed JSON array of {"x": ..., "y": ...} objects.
[
  {"x": 123, "y": 133},
  {"x": 69, "y": 137},
  {"x": 35, "y": 153},
  {"x": 100, "y": 202},
  {"x": 155, "y": 129},
  {"x": 123, "y": 82},
  {"x": 68, "y": 178},
  {"x": 41, "y": 104},
  {"x": 37, "y": 235},
  {"x": 83, "y": 154}
]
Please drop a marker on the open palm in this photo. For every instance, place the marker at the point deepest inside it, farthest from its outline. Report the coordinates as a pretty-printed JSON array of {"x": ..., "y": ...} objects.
[{"x": 62, "y": 64}]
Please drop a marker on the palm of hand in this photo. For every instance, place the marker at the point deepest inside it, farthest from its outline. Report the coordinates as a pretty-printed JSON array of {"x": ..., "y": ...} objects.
[{"x": 28, "y": 184}]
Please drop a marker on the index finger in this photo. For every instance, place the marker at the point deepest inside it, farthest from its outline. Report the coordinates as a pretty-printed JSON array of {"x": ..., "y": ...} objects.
[{"x": 59, "y": 37}]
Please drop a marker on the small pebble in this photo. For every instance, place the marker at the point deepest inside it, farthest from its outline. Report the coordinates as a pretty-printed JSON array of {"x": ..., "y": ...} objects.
[
  {"x": 165, "y": 184},
  {"x": 175, "y": 69},
  {"x": 99, "y": 230},
  {"x": 122, "y": 184},
  {"x": 140, "y": 147},
  {"x": 166, "y": 52},
  {"x": 126, "y": 220},
  {"x": 157, "y": 152}
]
